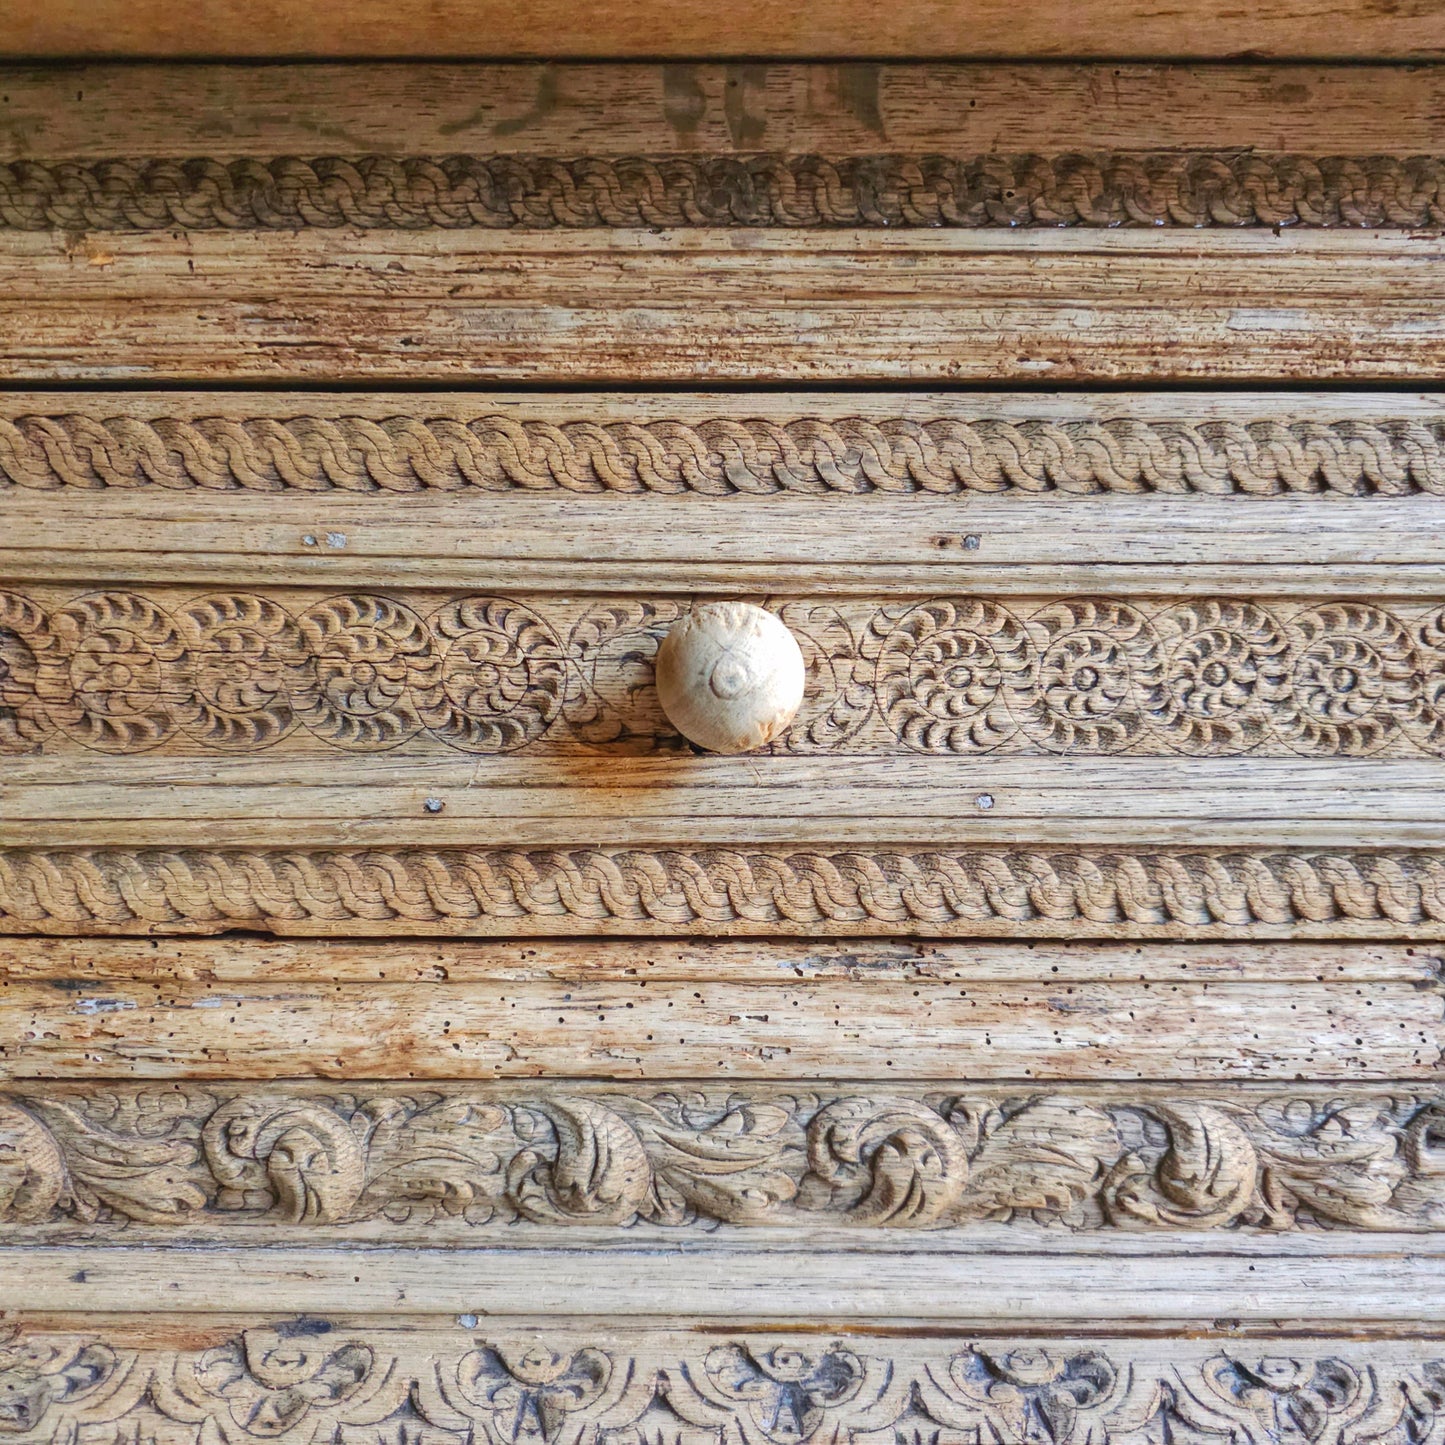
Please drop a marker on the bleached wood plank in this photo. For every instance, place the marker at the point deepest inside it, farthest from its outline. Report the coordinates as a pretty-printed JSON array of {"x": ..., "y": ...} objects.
[
  {"x": 241, "y": 960},
  {"x": 710, "y": 306},
  {"x": 643, "y": 1025},
  {"x": 1394, "y": 1281}
]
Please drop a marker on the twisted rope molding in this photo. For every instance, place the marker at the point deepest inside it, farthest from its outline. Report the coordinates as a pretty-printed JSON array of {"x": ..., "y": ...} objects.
[
  {"x": 499, "y": 192},
  {"x": 724, "y": 455},
  {"x": 955, "y": 892}
]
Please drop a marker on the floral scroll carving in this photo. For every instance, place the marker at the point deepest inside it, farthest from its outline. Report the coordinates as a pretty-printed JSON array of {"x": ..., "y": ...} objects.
[
  {"x": 300, "y": 1157},
  {"x": 235, "y": 672},
  {"x": 312, "y": 1380}
]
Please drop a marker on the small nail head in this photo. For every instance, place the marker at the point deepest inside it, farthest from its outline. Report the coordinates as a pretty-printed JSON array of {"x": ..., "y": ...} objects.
[
  {"x": 971, "y": 542},
  {"x": 308, "y": 540},
  {"x": 433, "y": 805},
  {"x": 984, "y": 801}
]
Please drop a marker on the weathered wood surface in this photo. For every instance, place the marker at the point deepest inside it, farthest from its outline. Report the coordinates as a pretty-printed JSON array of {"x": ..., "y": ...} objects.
[
  {"x": 1107, "y": 28},
  {"x": 841, "y": 1279},
  {"x": 708, "y": 306},
  {"x": 774, "y": 1011},
  {"x": 248, "y": 1377},
  {"x": 99, "y": 112},
  {"x": 835, "y": 493}
]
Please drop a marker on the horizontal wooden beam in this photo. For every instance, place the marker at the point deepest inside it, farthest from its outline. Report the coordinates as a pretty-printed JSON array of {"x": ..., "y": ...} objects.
[
  {"x": 1377, "y": 1280},
  {"x": 708, "y": 306},
  {"x": 1334, "y": 29},
  {"x": 98, "y": 113}
]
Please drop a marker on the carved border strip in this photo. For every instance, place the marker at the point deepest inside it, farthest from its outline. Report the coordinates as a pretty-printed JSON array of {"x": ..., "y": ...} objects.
[
  {"x": 1170, "y": 893},
  {"x": 413, "y": 1160},
  {"x": 124, "y": 672},
  {"x": 309, "y": 1380},
  {"x": 1224, "y": 188},
  {"x": 724, "y": 455}
]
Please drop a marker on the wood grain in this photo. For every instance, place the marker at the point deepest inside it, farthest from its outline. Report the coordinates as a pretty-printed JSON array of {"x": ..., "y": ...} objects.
[
  {"x": 846, "y": 1280},
  {"x": 1322, "y": 29},
  {"x": 97, "y": 112},
  {"x": 875, "y": 1024},
  {"x": 705, "y": 306}
]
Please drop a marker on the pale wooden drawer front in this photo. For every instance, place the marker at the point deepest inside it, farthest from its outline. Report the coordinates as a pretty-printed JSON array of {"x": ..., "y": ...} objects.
[{"x": 407, "y": 1035}]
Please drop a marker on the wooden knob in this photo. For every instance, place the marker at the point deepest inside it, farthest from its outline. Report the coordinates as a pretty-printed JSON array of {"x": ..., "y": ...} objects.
[{"x": 730, "y": 677}]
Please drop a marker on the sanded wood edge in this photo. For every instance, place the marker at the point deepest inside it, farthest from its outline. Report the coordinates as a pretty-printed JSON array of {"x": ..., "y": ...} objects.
[
  {"x": 241, "y": 959},
  {"x": 1126, "y": 1282},
  {"x": 399, "y": 1163},
  {"x": 190, "y": 1379},
  {"x": 979, "y": 892}
]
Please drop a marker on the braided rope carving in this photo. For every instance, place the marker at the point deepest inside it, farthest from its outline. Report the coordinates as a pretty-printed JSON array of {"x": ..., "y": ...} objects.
[
  {"x": 459, "y": 191},
  {"x": 957, "y": 892},
  {"x": 724, "y": 455}
]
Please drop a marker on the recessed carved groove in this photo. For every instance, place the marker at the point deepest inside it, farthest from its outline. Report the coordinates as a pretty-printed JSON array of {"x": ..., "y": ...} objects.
[
  {"x": 408, "y": 1161},
  {"x": 1382, "y": 456},
  {"x": 1084, "y": 893},
  {"x": 312, "y": 1379},
  {"x": 1225, "y": 188}
]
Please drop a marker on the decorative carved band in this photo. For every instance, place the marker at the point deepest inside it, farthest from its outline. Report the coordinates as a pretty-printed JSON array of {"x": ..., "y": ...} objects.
[
  {"x": 123, "y": 672},
  {"x": 412, "y": 1160},
  {"x": 1223, "y": 188},
  {"x": 950, "y": 893},
  {"x": 307, "y": 1380},
  {"x": 724, "y": 455}
]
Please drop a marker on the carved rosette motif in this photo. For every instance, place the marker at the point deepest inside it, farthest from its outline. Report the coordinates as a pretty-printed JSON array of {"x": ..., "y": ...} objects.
[
  {"x": 232, "y": 1156},
  {"x": 1225, "y": 188},
  {"x": 718, "y": 456},
  {"x": 307, "y": 1380},
  {"x": 119, "y": 672}
]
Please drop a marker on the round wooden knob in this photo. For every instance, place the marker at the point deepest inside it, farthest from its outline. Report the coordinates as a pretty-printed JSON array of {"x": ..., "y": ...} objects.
[{"x": 730, "y": 677}]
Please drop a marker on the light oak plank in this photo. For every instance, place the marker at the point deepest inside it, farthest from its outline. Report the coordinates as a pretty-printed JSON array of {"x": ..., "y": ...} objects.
[
  {"x": 895, "y": 964},
  {"x": 644, "y": 1027},
  {"x": 1403, "y": 1283},
  {"x": 709, "y": 306}
]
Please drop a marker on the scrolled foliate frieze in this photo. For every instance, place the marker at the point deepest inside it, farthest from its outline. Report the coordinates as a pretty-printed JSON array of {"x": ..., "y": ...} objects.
[
  {"x": 301, "y": 1381},
  {"x": 117, "y": 671},
  {"x": 957, "y": 892},
  {"x": 410, "y": 1162},
  {"x": 503, "y": 192},
  {"x": 724, "y": 455}
]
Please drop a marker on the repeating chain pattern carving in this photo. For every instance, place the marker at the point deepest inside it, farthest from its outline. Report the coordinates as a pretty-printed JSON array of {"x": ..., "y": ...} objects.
[
  {"x": 409, "y": 1159},
  {"x": 724, "y": 455},
  {"x": 1225, "y": 188},
  {"x": 949, "y": 893},
  {"x": 309, "y": 1381},
  {"x": 120, "y": 672}
]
